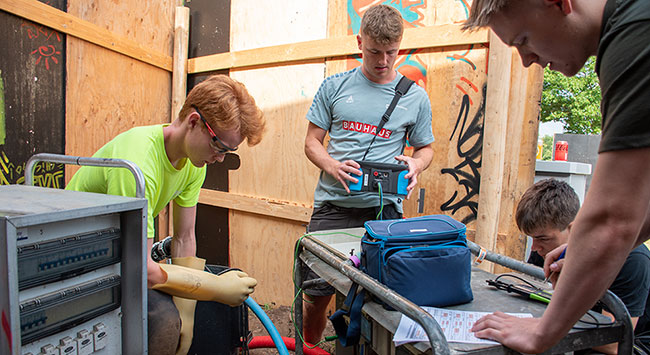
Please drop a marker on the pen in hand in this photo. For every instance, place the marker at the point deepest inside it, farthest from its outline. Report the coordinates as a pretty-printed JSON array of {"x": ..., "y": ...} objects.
[{"x": 547, "y": 279}]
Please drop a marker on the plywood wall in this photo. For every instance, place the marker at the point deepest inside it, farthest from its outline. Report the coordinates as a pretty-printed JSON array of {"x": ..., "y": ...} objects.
[
  {"x": 107, "y": 92},
  {"x": 277, "y": 168}
]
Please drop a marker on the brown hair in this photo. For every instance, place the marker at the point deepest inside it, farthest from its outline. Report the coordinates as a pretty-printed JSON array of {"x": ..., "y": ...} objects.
[
  {"x": 383, "y": 24},
  {"x": 481, "y": 13},
  {"x": 226, "y": 105},
  {"x": 548, "y": 203}
]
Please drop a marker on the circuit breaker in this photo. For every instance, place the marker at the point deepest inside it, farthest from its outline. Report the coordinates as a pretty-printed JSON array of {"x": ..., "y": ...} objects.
[{"x": 72, "y": 272}]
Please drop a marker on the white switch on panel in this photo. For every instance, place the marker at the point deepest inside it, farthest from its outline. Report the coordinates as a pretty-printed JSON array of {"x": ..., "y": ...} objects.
[
  {"x": 84, "y": 342},
  {"x": 49, "y": 349},
  {"x": 67, "y": 346},
  {"x": 99, "y": 336}
]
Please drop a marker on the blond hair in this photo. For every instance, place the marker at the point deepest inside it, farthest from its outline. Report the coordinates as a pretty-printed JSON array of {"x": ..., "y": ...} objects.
[
  {"x": 481, "y": 13},
  {"x": 226, "y": 105},
  {"x": 383, "y": 24}
]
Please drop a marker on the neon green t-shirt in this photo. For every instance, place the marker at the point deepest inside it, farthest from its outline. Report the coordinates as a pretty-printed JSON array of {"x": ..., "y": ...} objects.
[{"x": 144, "y": 146}]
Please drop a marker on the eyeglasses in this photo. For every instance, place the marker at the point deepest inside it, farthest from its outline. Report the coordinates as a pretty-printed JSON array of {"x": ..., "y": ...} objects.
[{"x": 216, "y": 143}]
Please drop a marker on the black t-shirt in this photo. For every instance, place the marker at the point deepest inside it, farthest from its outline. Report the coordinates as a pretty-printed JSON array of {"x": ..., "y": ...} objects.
[
  {"x": 632, "y": 285},
  {"x": 623, "y": 66},
  {"x": 536, "y": 259}
]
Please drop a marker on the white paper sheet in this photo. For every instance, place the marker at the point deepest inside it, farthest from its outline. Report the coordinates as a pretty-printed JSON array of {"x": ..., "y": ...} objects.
[{"x": 454, "y": 324}]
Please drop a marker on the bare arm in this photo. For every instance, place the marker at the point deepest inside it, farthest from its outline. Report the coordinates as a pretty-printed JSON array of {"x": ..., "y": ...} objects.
[
  {"x": 154, "y": 274},
  {"x": 184, "y": 240},
  {"x": 317, "y": 154},
  {"x": 607, "y": 228},
  {"x": 183, "y": 243},
  {"x": 417, "y": 163}
]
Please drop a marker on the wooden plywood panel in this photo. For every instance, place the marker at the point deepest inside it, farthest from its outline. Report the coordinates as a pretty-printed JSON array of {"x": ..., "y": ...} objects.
[
  {"x": 108, "y": 93},
  {"x": 337, "y": 26},
  {"x": 457, "y": 89},
  {"x": 256, "y": 24},
  {"x": 266, "y": 253},
  {"x": 448, "y": 11},
  {"x": 150, "y": 23},
  {"x": 276, "y": 168},
  {"x": 455, "y": 80}
]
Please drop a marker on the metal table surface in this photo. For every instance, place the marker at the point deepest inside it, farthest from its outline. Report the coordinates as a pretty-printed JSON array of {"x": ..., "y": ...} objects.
[{"x": 486, "y": 299}]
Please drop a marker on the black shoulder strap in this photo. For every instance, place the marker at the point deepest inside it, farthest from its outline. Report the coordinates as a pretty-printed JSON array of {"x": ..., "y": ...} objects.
[
  {"x": 349, "y": 334},
  {"x": 401, "y": 89}
]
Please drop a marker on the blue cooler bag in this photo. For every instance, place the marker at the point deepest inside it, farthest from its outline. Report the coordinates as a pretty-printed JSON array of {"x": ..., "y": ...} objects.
[{"x": 425, "y": 259}]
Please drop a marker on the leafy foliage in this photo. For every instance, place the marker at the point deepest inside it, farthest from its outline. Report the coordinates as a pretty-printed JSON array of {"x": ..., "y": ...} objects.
[
  {"x": 547, "y": 147},
  {"x": 574, "y": 101}
]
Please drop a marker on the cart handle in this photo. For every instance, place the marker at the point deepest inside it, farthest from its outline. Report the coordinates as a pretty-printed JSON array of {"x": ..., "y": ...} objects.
[{"x": 85, "y": 161}]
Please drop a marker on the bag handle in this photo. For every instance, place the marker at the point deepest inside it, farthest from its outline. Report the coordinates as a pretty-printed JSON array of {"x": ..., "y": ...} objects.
[
  {"x": 349, "y": 334},
  {"x": 409, "y": 220}
]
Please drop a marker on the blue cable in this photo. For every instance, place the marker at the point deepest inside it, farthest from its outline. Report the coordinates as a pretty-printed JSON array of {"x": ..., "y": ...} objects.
[{"x": 266, "y": 321}]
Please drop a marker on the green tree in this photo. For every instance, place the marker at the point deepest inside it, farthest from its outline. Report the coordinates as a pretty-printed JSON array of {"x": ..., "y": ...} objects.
[
  {"x": 547, "y": 147},
  {"x": 574, "y": 101}
]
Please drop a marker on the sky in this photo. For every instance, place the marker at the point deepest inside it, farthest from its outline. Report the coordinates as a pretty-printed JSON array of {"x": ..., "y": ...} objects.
[{"x": 550, "y": 128}]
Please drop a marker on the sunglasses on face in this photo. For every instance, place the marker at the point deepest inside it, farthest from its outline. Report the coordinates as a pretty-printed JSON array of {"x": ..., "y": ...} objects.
[{"x": 216, "y": 143}]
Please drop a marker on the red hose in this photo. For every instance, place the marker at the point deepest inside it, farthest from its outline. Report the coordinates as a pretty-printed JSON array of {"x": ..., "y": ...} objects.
[{"x": 267, "y": 342}]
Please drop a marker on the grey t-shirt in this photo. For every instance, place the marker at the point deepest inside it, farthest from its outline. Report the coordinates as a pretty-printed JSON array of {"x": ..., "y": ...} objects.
[{"x": 349, "y": 107}]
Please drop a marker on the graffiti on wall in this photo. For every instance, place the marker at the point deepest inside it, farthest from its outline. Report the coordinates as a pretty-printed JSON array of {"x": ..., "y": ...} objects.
[
  {"x": 31, "y": 98},
  {"x": 468, "y": 134},
  {"x": 49, "y": 49},
  {"x": 45, "y": 174},
  {"x": 407, "y": 63},
  {"x": 469, "y": 145}
]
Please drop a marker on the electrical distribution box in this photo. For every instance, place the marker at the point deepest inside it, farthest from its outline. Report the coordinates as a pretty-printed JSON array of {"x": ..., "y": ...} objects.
[{"x": 72, "y": 272}]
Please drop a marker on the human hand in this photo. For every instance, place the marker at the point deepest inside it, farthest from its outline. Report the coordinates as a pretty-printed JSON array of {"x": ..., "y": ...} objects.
[
  {"x": 520, "y": 334},
  {"x": 236, "y": 286},
  {"x": 231, "y": 288},
  {"x": 553, "y": 263},
  {"x": 412, "y": 175},
  {"x": 342, "y": 170}
]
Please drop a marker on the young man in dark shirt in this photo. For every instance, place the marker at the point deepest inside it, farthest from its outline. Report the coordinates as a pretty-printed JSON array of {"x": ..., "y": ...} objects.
[{"x": 545, "y": 212}]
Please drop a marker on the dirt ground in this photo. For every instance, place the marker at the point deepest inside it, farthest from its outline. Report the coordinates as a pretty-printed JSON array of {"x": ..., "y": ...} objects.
[{"x": 281, "y": 318}]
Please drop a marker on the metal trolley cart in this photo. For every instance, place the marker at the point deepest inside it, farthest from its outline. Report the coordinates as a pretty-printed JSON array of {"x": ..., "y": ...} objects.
[{"x": 326, "y": 255}]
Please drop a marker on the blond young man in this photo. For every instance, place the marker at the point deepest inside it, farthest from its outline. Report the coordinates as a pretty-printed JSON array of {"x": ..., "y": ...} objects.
[
  {"x": 347, "y": 106},
  {"x": 217, "y": 116},
  {"x": 614, "y": 218}
]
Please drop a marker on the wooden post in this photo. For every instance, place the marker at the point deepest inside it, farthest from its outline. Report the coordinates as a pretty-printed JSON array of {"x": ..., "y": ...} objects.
[
  {"x": 181, "y": 47},
  {"x": 494, "y": 142},
  {"x": 519, "y": 172},
  {"x": 179, "y": 88}
]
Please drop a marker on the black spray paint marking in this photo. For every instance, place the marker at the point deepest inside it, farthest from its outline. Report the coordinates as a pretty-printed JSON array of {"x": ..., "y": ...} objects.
[{"x": 467, "y": 172}]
